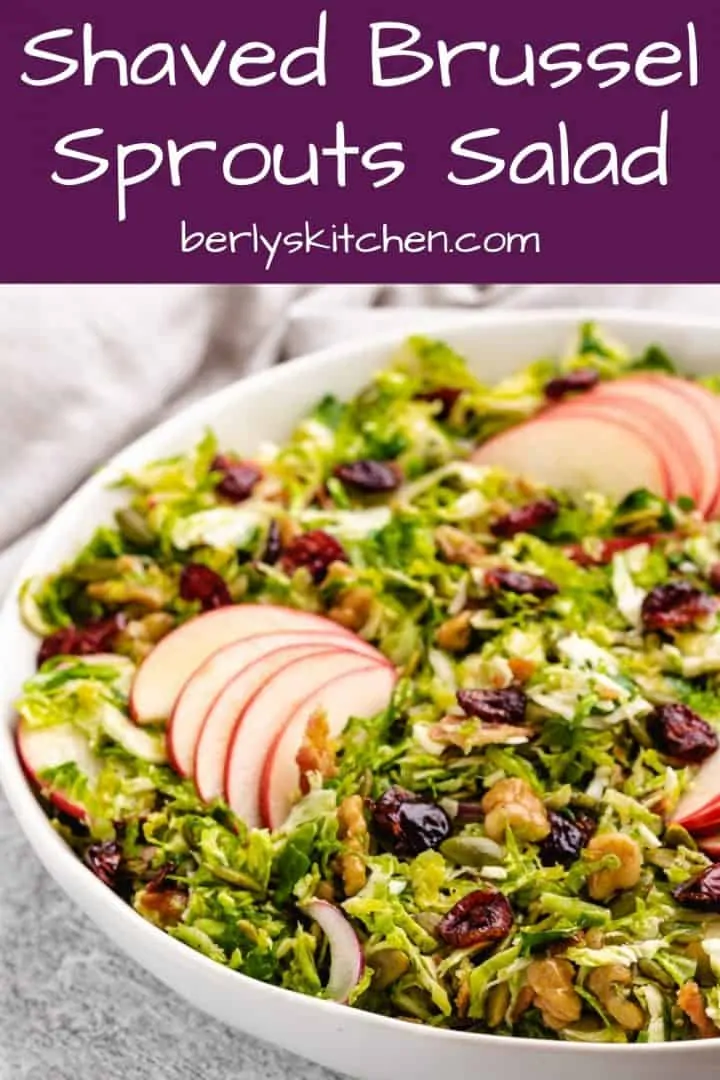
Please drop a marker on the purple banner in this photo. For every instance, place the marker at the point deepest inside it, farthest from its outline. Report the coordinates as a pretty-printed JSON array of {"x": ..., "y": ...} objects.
[{"x": 378, "y": 140}]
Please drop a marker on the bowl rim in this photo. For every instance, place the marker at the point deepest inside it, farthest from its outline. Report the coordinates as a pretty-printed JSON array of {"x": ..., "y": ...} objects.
[{"x": 86, "y": 890}]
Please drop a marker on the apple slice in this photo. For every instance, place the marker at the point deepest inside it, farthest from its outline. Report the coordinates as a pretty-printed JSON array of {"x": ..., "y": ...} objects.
[
  {"x": 705, "y": 434},
  {"x": 652, "y": 429},
  {"x": 211, "y": 677},
  {"x": 699, "y": 807},
  {"x": 213, "y": 743},
  {"x": 47, "y": 748},
  {"x": 161, "y": 676},
  {"x": 682, "y": 420},
  {"x": 578, "y": 451},
  {"x": 657, "y": 413},
  {"x": 363, "y": 693},
  {"x": 709, "y": 402},
  {"x": 707, "y": 817},
  {"x": 705, "y": 820},
  {"x": 267, "y": 711}
]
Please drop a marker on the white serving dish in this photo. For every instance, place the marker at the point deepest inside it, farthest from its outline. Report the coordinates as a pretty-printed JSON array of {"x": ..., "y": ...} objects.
[{"x": 361, "y": 1044}]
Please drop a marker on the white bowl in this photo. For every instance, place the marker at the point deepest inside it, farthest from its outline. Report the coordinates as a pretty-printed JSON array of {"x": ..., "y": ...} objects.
[{"x": 359, "y": 1043}]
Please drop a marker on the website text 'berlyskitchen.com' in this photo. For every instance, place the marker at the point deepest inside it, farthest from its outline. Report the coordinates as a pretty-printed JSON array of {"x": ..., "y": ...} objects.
[{"x": 345, "y": 240}]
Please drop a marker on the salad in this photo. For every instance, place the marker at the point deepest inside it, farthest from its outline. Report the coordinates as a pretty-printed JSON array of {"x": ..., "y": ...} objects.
[{"x": 418, "y": 711}]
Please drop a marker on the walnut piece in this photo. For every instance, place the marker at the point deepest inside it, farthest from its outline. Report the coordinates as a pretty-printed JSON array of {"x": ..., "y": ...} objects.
[
  {"x": 603, "y": 883},
  {"x": 351, "y": 820},
  {"x": 353, "y": 830},
  {"x": 511, "y": 803},
  {"x": 353, "y": 872},
  {"x": 454, "y": 634},
  {"x": 164, "y": 907},
  {"x": 317, "y": 751},
  {"x": 521, "y": 668},
  {"x": 353, "y": 607},
  {"x": 692, "y": 1003},
  {"x": 554, "y": 994},
  {"x": 289, "y": 531},
  {"x": 607, "y": 983},
  {"x": 325, "y": 891},
  {"x": 458, "y": 547}
]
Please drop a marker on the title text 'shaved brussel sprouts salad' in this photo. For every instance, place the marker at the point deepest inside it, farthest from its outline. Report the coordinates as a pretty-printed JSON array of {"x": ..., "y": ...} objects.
[{"x": 370, "y": 717}]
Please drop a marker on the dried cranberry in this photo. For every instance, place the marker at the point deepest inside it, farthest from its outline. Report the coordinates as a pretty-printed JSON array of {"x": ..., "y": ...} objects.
[
  {"x": 372, "y": 477},
  {"x": 238, "y": 478},
  {"x": 445, "y": 395},
  {"x": 408, "y": 823},
  {"x": 60, "y": 643},
  {"x": 566, "y": 839},
  {"x": 682, "y": 734},
  {"x": 93, "y": 637},
  {"x": 494, "y": 706},
  {"x": 574, "y": 382},
  {"x": 525, "y": 518},
  {"x": 669, "y": 607},
  {"x": 702, "y": 891},
  {"x": 273, "y": 544},
  {"x": 198, "y": 582},
  {"x": 316, "y": 550},
  {"x": 714, "y": 577},
  {"x": 522, "y": 584},
  {"x": 105, "y": 859},
  {"x": 479, "y": 918}
]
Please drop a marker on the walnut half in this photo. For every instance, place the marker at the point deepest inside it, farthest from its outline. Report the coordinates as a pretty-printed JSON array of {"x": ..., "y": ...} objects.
[
  {"x": 353, "y": 830},
  {"x": 603, "y": 883},
  {"x": 607, "y": 983},
  {"x": 554, "y": 994},
  {"x": 511, "y": 803}
]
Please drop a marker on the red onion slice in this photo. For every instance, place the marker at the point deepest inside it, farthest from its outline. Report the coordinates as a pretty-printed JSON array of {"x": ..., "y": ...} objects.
[{"x": 346, "y": 957}]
